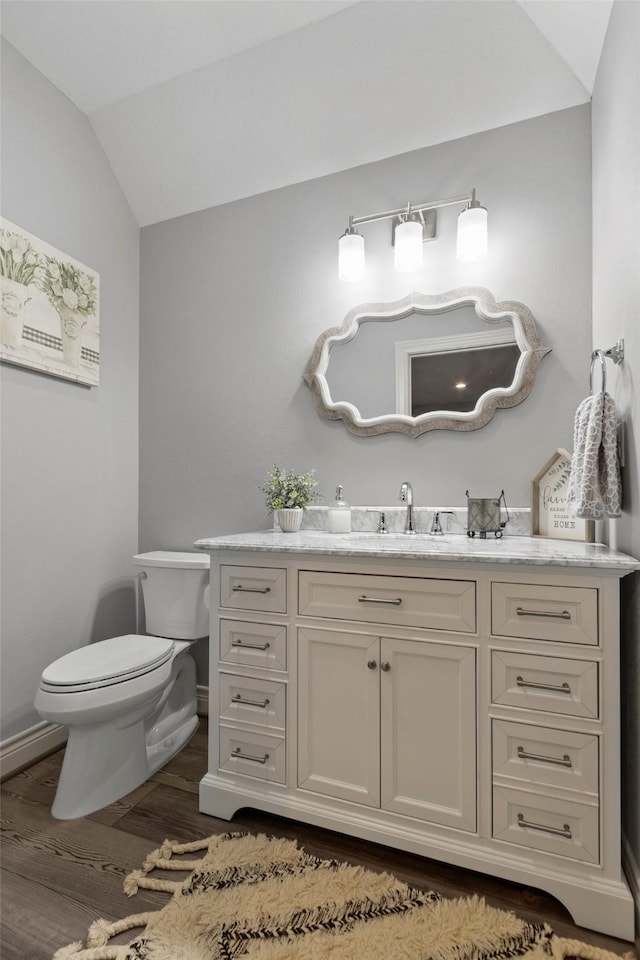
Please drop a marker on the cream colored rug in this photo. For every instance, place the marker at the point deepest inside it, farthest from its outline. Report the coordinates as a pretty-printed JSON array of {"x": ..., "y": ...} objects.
[{"x": 262, "y": 898}]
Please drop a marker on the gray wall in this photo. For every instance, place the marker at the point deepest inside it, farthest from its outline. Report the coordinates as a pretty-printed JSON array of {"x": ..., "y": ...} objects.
[
  {"x": 69, "y": 453},
  {"x": 616, "y": 307},
  {"x": 233, "y": 299}
]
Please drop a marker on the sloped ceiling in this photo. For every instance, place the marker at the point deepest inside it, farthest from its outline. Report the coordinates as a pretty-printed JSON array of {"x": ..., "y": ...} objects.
[{"x": 201, "y": 102}]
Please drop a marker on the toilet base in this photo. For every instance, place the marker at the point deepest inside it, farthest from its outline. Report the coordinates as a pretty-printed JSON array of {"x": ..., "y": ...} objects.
[
  {"x": 105, "y": 761},
  {"x": 101, "y": 781}
]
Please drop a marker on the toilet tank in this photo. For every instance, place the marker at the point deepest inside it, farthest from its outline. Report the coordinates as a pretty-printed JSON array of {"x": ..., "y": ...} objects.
[{"x": 173, "y": 587}]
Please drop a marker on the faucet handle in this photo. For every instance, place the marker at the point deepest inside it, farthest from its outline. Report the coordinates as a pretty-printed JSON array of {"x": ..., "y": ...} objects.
[
  {"x": 436, "y": 525},
  {"x": 382, "y": 524}
]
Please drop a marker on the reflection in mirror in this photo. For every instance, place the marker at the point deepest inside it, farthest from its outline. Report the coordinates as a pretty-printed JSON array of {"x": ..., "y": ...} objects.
[
  {"x": 425, "y": 364},
  {"x": 452, "y": 373}
]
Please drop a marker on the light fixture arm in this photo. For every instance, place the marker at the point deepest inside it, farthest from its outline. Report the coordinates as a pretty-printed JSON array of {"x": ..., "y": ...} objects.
[{"x": 414, "y": 208}]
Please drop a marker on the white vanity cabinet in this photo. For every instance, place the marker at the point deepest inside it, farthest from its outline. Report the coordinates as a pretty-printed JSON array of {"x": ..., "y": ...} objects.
[
  {"x": 454, "y": 700},
  {"x": 390, "y": 723}
]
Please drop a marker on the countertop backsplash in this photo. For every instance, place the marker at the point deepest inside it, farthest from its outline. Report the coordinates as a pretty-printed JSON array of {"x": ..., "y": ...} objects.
[{"x": 453, "y": 520}]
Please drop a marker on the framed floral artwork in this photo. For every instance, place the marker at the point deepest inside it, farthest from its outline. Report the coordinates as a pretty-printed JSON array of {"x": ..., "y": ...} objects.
[
  {"x": 549, "y": 514},
  {"x": 50, "y": 308}
]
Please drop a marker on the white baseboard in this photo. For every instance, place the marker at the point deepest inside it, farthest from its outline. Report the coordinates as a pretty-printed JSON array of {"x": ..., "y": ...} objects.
[
  {"x": 203, "y": 701},
  {"x": 631, "y": 868},
  {"x": 24, "y": 749}
]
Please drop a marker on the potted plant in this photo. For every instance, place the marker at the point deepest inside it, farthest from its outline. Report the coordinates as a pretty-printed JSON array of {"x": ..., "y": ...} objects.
[
  {"x": 288, "y": 494},
  {"x": 73, "y": 294},
  {"x": 20, "y": 266}
]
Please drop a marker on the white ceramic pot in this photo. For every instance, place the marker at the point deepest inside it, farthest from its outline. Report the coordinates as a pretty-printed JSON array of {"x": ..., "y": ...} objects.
[
  {"x": 14, "y": 298},
  {"x": 290, "y": 520},
  {"x": 71, "y": 324}
]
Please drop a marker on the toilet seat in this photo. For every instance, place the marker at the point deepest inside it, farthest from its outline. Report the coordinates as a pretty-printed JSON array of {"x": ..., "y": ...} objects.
[{"x": 106, "y": 663}]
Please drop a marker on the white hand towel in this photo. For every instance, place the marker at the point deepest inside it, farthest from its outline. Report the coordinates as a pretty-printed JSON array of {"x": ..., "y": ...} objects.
[{"x": 594, "y": 489}]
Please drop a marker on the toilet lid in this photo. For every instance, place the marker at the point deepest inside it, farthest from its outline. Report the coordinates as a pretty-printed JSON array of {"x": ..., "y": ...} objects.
[
  {"x": 171, "y": 558},
  {"x": 107, "y": 662}
]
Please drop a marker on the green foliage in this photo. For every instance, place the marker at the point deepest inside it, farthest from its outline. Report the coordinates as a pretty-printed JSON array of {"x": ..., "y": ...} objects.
[
  {"x": 285, "y": 489},
  {"x": 18, "y": 260},
  {"x": 68, "y": 286}
]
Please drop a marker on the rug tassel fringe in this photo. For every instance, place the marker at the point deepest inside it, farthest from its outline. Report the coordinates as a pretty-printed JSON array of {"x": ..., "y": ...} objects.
[
  {"x": 563, "y": 947},
  {"x": 154, "y": 862},
  {"x": 138, "y": 879},
  {"x": 169, "y": 847},
  {"x": 101, "y": 931},
  {"x": 75, "y": 951}
]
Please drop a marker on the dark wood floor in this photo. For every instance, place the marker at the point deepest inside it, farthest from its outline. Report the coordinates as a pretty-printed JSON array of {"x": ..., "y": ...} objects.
[{"x": 60, "y": 876}]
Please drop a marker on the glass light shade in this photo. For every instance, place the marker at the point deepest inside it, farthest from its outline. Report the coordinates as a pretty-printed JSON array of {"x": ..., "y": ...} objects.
[
  {"x": 408, "y": 246},
  {"x": 351, "y": 256},
  {"x": 472, "y": 234}
]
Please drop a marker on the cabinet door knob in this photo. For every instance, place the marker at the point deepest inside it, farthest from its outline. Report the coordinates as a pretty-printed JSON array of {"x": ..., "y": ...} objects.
[
  {"x": 372, "y": 664},
  {"x": 385, "y": 666}
]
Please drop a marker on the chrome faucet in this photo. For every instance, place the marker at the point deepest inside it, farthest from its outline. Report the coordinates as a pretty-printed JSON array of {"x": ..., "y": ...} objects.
[
  {"x": 436, "y": 525},
  {"x": 406, "y": 495}
]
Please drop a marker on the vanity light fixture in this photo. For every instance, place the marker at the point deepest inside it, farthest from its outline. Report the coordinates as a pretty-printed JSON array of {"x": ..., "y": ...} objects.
[
  {"x": 472, "y": 231},
  {"x": 407, "y": 256},
  {"x": 351, "y": 254},
  {"x": 409, "y": 234}
]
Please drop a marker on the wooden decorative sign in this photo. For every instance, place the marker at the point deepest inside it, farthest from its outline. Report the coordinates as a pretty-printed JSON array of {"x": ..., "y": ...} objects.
[{"x": 549, "y": 514}]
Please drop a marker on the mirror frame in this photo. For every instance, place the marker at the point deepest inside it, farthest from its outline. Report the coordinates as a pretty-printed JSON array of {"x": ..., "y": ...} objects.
[{"x": 526, "y": 336}]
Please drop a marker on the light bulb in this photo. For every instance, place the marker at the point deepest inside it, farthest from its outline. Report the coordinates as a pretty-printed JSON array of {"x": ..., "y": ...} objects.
[
  {"x": 472, "y": 233},
  {"x": 351, "y": 255},
  {"x": 408, "y": 246}
]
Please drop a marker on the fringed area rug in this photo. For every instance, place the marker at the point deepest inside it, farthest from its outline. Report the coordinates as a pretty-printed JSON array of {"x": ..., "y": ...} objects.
[{"x": 262, "y": 898}]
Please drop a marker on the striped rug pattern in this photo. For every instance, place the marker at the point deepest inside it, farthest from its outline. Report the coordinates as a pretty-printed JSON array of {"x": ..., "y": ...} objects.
[{"x": 263, "y": 898}]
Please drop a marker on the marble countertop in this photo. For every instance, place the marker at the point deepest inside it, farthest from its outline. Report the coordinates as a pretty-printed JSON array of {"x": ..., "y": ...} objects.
[{"x": 456, "y": 547}]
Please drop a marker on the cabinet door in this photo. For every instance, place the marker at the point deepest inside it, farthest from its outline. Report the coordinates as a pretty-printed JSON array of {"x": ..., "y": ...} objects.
[
  {"x": 428, "y": 731},
  {"x": 339, "y": 715}
]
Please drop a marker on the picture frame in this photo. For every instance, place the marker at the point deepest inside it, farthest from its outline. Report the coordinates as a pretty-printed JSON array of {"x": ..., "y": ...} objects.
[
  {"x": 49, "y": 308},
  {"x": 550, "y": 517}
]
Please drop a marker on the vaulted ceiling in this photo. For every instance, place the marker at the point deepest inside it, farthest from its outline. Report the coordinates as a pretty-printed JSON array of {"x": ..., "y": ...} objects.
[{"x": 201, "y": 102}]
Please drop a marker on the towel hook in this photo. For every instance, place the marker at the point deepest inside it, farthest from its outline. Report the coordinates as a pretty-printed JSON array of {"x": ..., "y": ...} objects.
[{"x": 598, "y": 355}]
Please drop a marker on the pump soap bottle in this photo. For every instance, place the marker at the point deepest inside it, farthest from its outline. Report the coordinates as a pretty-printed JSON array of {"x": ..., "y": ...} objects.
[{"x": 339, "y": 514}]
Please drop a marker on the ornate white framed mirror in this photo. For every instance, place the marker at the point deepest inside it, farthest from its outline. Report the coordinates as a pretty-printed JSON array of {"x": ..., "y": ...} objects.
[{"x": 425, "y": 362}]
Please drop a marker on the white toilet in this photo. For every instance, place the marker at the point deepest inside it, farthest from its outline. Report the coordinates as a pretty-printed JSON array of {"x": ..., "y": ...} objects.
[{"x": 130, "y": 702}]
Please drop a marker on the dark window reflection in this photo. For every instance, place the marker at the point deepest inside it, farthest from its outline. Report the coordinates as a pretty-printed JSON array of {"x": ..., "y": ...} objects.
[{"x": 434, "y": 377}]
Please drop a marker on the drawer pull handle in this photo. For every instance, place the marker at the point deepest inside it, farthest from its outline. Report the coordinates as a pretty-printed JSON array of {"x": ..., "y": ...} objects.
[
  {"x": 385, "y": 666},
  {"x": 564, "y": 688},
  {"x": 565, "y": 615},
  {"x": 247, "y": 756},
  {"x": 372, "y": 664},
  {"x": 238, "y": 698},
  {"x": 364, "y": 599},
  {"x": 250, "y": 646},
  {"x": 564, "y": 761},
  {"x": 238, "y": 588},
  {"x": 564, "y": 831}
]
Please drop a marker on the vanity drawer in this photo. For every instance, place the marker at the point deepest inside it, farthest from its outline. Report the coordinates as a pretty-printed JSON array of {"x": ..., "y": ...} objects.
[
  {"x": 253, "y": 588},
  {"x": 564, "y": 827},
  {"x": 545, "y": 756},
  {"x": 551, "y": 684},
  {"x": 253, "y": 644},
  {"x": 406, "y": 601},
  {"x": 254, "y": 754},
  {"x": 261, "y": 703},
  {"x": 561, "y": 614}
]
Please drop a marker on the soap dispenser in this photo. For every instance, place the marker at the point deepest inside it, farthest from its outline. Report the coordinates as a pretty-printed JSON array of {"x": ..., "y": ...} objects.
[{"x": 339, "y": 514}]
